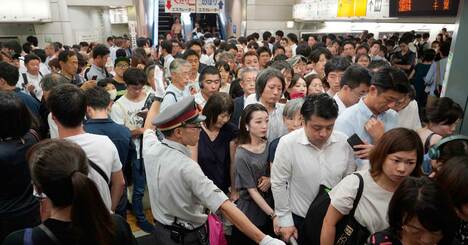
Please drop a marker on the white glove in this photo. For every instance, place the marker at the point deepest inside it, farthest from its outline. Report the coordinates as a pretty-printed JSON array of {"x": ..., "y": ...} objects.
[{"x": 268, "y": 240}]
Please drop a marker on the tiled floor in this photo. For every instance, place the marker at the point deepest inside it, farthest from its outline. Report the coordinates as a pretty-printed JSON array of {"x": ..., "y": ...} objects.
[{"x": 132, "y": 220}]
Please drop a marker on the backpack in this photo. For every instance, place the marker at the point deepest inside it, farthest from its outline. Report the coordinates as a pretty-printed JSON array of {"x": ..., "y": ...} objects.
[{"x": 348, "y": 230}]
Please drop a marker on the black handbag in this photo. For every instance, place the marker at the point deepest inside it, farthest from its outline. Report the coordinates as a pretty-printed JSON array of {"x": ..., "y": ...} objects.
[{"x": 348, "y": 230}]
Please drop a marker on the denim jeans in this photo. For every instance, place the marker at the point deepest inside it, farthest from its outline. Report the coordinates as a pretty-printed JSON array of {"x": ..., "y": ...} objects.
[{"x": 139, "y": 182}]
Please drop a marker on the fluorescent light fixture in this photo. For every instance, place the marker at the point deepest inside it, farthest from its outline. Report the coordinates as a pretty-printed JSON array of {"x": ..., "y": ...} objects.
[{"x": 290, "y": 24}]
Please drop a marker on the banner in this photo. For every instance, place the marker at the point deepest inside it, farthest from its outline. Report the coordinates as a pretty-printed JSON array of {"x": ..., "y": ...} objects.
[
  {"x": 352, "y": 8},
  {"x": 210, "y": 6},
  {"x": 179, "y": 6}
]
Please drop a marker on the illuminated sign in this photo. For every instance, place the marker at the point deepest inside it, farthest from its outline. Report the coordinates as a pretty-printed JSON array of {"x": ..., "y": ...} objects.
[{"x": 400, "y": 8}]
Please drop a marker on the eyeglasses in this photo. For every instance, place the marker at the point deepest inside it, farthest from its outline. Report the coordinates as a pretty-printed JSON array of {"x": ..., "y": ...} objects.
[{"x": 123, "y": 66}]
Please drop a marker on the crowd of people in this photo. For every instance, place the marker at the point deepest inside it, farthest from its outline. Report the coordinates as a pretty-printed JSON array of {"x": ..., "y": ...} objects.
[{"x": 318, "y": 140}]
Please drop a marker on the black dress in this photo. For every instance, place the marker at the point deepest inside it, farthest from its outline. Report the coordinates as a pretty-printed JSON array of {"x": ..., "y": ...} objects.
[{"x": 214, "y": 158}]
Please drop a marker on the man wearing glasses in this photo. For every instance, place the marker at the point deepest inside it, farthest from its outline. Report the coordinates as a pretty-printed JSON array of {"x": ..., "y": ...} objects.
[{"x": 179, "y": 190}]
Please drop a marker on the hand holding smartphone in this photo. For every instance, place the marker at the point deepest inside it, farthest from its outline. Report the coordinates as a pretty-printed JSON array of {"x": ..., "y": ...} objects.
[{"x": 354, "y": 140}]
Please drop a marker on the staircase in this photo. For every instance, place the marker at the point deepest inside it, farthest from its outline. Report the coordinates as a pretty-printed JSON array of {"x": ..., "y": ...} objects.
[{"x": 165, "y": 20}]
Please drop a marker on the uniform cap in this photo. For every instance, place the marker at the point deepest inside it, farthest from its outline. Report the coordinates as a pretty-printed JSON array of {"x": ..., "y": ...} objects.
[{"x": 182, "y": 112}]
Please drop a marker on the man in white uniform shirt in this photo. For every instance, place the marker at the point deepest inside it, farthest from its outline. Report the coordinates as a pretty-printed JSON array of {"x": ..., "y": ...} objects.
[
  {"x": 30, "y": 80},
  {"x": 67, "y": 104},
  {"x": 307, "y": 158}
]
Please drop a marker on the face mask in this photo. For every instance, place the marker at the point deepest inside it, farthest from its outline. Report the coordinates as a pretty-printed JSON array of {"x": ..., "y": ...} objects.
[{"x": 113, "y": 94}]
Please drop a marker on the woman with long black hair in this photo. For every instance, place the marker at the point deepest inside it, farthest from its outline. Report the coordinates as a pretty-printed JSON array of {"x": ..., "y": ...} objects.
[{"x": 71, "y": 207}]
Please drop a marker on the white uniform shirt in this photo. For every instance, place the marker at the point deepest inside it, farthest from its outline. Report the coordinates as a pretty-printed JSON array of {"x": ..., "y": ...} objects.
[
  {"x": 371, "y": 211},
  {"x": 176, "y": 184},
  {"x": 300, "y": 168},
  {"x": 34, "y": 80},
  {"x": 102, "y": 152}
]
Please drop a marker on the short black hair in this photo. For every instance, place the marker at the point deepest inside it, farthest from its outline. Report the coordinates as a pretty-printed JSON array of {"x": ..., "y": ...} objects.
[
  {"x": 378, "y": 64},
  {"x": 320, "y": 105},
  {"x": 134, "y": 76},
  {"x": 192, "y": 43},
  {"x": 428, "y": 55},
  {"x": 29, "y": 57},
  {"x": 100, "y": 50},
  {"x": 263, "y": 49},
  {"x": 65, "y": 54},
  {"x": 84, "y": 44},
  {"x": 279, "y": 33},
  {"x": 141, "y": 42},
  {"x": 350, "y": 43},
  {"x": 67, "y": 103},
  {"x": 444, "y": 48},
  {"x": 277, "y": 46},
  {"x": 13, "y": 45},
  {"x": 315, "y": 54},
  {"x": 16, "y": 118},
  {"x": 253, "y": 44},
  {"x": 292, "y": 37},
  {"x": 337, "y": 63},
  {"x": 167, "y": 45},
  {"x": 266, "y": 35},
  {"x": 425, "y": 200},
  {"x": 120, "y": 53},
  {"x": 304, "y": 50},
  {"x": 97, "y": 98},
  {"x": 264, "y": 76},
  {"x": 444, "y": 111},
  {"x": 282, "y": 64},
  {"x": 209, "y": 70},
  {"x": 9, "y": 73},
  {"x": 33, "y": 40},
  {"x": 41, "y": 53},
  {"x": 242, "y": 40},
  {"x": 354, "y": 76},
  {"x": 425, "y": 35},
  {"x": 230, "y": 46},
  {"x": 27, "y": 48},
  {"x": 391, "y": 78},
  {"x": 189, "y": 52}
]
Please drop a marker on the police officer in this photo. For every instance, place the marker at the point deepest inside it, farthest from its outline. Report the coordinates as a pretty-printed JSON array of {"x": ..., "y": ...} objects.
[{"x": 179, "y": 191}]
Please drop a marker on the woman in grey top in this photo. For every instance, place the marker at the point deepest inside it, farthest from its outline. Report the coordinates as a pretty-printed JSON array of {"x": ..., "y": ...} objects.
[{"x": 252, "y": 169}]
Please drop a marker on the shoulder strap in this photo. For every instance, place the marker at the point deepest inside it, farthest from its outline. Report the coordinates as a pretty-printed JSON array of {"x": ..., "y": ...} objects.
[
  {"x": 173, "y": 94},
  {"x": 49, "y": 234},
  {"x": 86, "y": 73},
  {"x": 25, "y": 78},
  {"x": 27, "y": 237},
  {"x": 358, "y": 195},
  {"x": 427, "y": 143},
  {"x": 99, "y": 170}
]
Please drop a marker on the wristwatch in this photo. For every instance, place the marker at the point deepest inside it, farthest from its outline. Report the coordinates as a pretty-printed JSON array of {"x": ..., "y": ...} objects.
[{"x": 272, "y": 215}]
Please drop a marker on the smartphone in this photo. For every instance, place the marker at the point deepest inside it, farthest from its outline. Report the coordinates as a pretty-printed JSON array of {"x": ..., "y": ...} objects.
[{"x": 355, "y": 140}]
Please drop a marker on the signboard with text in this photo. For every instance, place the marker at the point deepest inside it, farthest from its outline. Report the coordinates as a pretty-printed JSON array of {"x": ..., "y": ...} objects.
[
  {"x": 179, "y": 6},
  {"x": 210, "y": 6},
  {"x": 319, "y": 10}
]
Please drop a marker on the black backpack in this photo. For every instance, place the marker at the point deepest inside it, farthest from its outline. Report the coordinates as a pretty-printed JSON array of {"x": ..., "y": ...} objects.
[{"x": 348, "y": 230}]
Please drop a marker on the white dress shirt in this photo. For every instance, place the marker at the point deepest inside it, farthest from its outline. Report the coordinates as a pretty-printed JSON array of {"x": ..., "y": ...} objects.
[{"x": 300, "y": 168}]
